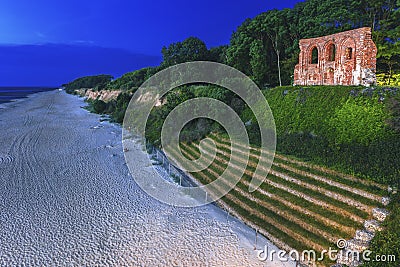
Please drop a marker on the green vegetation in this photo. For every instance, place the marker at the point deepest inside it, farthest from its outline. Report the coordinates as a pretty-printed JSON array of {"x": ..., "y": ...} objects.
[
  {"x": 197, "y": 128},
  {"x": 385, "y": 78},
  {"x": 370, "y": 119},
  {"x": 351, "y": 129},
  {"x": 131, "y": 81},
  {"x": 114, "y": 108},
  {"x": 282, "y": 212},
  {"x": 266, "y": 47},
  {"x": 347, "y": 135},
  {"x": 99, "y": 106},
  {"x": 97, "y": 82},
  {"x": 387, "y": 242},
  {"x": 191, "y": 49}
]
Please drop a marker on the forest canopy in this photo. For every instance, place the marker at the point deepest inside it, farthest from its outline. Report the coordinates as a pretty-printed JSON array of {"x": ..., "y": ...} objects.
[{"x": 98, "y": 82}]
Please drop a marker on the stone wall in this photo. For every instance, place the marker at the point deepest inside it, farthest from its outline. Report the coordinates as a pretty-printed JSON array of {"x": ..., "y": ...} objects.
[{"x": 345, "y": 58}]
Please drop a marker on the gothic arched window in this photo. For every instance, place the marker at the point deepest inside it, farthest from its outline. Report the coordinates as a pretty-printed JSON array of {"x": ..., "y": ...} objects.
[
  {"x": 314, "y": 56},
  {"x": 331, "y": 52},
  {"x": 349, "y": 53}
]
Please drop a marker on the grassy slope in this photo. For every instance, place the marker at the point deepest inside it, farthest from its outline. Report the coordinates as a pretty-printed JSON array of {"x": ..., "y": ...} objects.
[
  {"x": 303, "y": 214},
  {"x": 341, "y": 127}
]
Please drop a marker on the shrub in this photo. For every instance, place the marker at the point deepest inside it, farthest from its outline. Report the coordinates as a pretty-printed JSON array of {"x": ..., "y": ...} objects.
[
  {"x": 99, "y": 106},
  {"x": 360, "y": 120},
  {"x": 97, "y": 82},
  {"x": 387, "y": 242}
]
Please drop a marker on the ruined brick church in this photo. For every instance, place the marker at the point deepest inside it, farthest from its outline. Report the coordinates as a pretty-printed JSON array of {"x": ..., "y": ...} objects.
[{"x": 345, "y": 58}]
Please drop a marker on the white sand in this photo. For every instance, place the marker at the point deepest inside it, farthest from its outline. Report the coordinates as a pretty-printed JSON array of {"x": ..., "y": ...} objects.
[{"x": 67, "y": 199}]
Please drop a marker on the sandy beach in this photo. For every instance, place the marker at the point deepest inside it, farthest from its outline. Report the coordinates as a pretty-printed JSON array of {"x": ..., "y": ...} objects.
[{"x": 67, "y": 199}]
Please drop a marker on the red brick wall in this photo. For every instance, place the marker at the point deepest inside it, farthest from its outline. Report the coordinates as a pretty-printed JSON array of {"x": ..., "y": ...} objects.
[{"x": 345, "y": 58}]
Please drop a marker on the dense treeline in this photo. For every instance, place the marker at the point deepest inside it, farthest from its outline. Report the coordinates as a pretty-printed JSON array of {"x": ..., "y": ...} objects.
[
  {"x": 97, "y": 82},
  {"x": 197, "y": 128},
  {"x": 132, "y": 80},
  {"x": 266, "y": 47}
]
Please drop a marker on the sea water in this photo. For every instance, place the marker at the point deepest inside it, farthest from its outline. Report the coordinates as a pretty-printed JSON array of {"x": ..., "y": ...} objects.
[{"x": 8, "y": 94}]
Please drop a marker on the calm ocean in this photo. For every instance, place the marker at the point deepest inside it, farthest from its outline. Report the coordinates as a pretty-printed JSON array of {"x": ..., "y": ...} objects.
[{"x": 8, "y": 94}]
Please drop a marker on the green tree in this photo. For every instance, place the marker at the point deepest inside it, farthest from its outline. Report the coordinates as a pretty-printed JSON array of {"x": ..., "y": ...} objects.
[
  {"x": 389, "y": 48},
  {"x": 389, "y": 55},
  {"x": 258, "y": 61},
  {"x": 218, "y": 54},
  {"x": 97, "y": 81},
  {"x": 275, "y": 27},
  {"x": 191, "y": 49},
  {"x": 132, "y": 80},
  {"x": 99, "y": 106},
  {"x": 238, "y": 52}
]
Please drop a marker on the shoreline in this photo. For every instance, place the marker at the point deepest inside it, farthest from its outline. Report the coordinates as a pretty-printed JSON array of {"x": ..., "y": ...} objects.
[
  {"x": 68, "y": 199},
  {"x": 24, "y": 93}
]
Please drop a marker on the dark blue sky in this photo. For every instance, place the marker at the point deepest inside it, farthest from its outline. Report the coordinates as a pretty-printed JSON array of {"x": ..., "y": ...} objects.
[{"x": 137, "y": 27}]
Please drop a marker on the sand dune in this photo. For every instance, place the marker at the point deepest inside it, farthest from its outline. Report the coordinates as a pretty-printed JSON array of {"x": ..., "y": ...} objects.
[{"x": 67, "y": 199}]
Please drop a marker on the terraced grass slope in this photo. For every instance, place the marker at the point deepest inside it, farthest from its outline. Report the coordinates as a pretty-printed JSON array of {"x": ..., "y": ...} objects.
[{"x": 299, "y": 206}]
